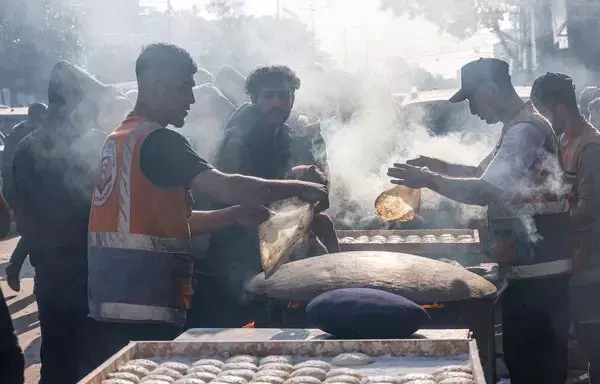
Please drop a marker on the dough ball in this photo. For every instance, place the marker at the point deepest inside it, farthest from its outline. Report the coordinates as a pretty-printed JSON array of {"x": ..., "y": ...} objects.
[
  {"x": 457, "y": 380},
  {"x": 240, "y": 365},
  {"x": 189, "y": 380},
  {"x": 314, "y": 364},
  {"x": 380, "y": 379},
  {"x": 204, "y": 376},
  {"x": 453, "y": 368},
  {"x": 212, "y": 362},
  {"x": 453, "y": 374},
  {"x": 176, "y": 366},
  {"x": 124, "y": 376},
  {"x": 414, "y": 376},
  {"x": 165, "y": 378},
  {"x": 303, "y": 380},
  {"x": 230, "y": 380},
  {"x": 167, "y": 372},
  {"x": 345, "y": 372},
  {"x": 242, "y": 359},
  {"x": 117, "y": 381},
  {"x": 272, "y": 372},
  {"x": 275, "y": 359},
  {"x": 205, "y": 368},
  {"x": 348, "y": 379},
  {"x": 352, "y": 359},
  {"x": 269, "y": 379},
  {"x": 277, "y": 366},
  {"x": 137, "y": 370},
  {"x": 309, "y": 371},
  {"x": 148, "y": 364},
  {"x": 247, "y": 374}
]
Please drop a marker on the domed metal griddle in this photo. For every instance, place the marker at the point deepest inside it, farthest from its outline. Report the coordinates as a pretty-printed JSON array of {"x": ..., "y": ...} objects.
[{"x": 420, "y": 279}]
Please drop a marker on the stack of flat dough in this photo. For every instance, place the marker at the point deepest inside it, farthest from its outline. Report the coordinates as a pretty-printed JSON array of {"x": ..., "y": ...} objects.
[{"x": 246, "y": 369}]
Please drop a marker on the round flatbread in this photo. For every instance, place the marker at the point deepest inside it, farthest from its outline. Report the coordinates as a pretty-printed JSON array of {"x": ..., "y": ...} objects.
[
  {"x": 348, "y": 379},
  {"x": 453, "y": 368},
  {"x": 272, "y": 372},
  {"x": 137, "y": 370},
  {"x": 247, "y": 374},
  {"x": 352, "y": 359},
  {"x": 414, "y": 376},
  {"x": 148, "y": 364},
  {"x": 189, "y": 380},
  {"x": 154, "y": 381},
  {"x": 242, "y": 359},
  {"x": 176, "y": 366},
  {"x": 165, "y": 378},
  {"x": 457, "y": 380},
  {"x": 167, "y": 372},
  {"x": 204, "y": 376},
  {"x": 453, "y": 374},
  {"x": 230, "y": 380},
  {"x": 380, "y": 379},
  {"x": 277, "y": 366},
  {"x": 314, "y": 364},
  {"x": 240, "y": 365},
  {"x": 312, "y": 372},
  {"x": 214, "y": 370},
  {"x": 212, "y": 362},
  {"x": 345, "y": 372},
  {"x": 275, "y": 359},
  {"x": 269, "y": 379},
  {"x": 117, "y": 381},
  {"x": 422, "y": 382},
  {"x": 124, "y": 376},
  {"x": 303, "y": 380}
]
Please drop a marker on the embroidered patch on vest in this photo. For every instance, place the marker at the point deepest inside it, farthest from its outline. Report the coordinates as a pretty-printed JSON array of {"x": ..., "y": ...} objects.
[{"x": 107, "y": 173}]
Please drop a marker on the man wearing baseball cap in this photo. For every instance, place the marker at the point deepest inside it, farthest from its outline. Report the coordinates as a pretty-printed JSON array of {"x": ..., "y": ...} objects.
[
  {"x": 554, "y": 96},
  {"x": 521, "y": 184}
]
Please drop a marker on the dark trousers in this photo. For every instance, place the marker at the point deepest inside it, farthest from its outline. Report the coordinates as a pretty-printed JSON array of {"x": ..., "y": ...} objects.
[
  {"x": 585, "y": 309},
  {"x": 114, "y": 336},
  {"x": 67, "y": 341},
  {"x": 535, "y": 324},
  {"x": 17, "y": 258}
]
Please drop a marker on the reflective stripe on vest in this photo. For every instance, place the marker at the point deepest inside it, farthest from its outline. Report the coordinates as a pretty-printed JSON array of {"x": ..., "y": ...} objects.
[
  {"x": 135, "y": 276},
  {"x": 532, "y": 271}
]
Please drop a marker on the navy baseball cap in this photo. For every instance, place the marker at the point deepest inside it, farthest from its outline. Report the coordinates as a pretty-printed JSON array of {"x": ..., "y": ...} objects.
[{"x": 479, "y": 72}]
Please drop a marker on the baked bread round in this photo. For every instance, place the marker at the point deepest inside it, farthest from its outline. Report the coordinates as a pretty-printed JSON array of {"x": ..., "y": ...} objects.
[
  {"x": 212, "y": 362},
  {"x": 345, "y": 372},
  {"x": 189, "y": 380},
  {"x": 176, "y": 366},
  {"x": 214, "y": 370},
  {"x": 352, "y": 359},
  {"x": 148, "y": 364},
  {"x": 155, "y": 381},
  {"x": 167, "y": 372},
  {"x": 348, "y": 379},
  {"x": 457, "y": 380},
  {"x": 453, "y": 374},
  {"x": 242, "y": 359},
  {"x": 380, "y": 379},
  {"x": 314, "y": 364},
  {"x": 272, "y": 372},
  {"x": 164, "y": 378},
  {"x": 240, "y": 365},
  {"x": 247, "y": 374},
  {"x": 303, "y": 380},
  {"x": 124, "y": 376},
  {"x": 137, "y": 370},
  {"x": 277, "y": 366},
  {"x": 312, "y": 372},
  {"x": 453, "y": 368},
  {"x": 230, "y": 380},
  {"x": 117, "y": 381},
  {"x": 275, "y": 359},
  {"x": 269, "y": 379},
  {"x": 207, "y": 377},
  {"x": 415, "y": 376}
]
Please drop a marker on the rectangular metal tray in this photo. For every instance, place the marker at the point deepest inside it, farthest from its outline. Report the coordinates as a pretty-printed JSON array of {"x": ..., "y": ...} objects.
[
  {"x": 418, "y": 348},
  {"x": 421, "y": 249}
]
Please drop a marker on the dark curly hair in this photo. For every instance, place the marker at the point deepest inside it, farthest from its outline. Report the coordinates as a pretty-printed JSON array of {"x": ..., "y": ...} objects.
[
  {"x": 270, "y": 74},
  {"x": 163, "y": 58}
]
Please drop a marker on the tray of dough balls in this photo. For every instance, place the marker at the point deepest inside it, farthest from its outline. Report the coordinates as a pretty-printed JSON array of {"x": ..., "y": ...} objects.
[
  {"x": 420, "y": 361},
  {"x": 420, "y": 242}
]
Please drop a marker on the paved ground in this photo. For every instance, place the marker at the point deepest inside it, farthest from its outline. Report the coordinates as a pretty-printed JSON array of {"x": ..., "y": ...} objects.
[{"x": 23, "y": 308}]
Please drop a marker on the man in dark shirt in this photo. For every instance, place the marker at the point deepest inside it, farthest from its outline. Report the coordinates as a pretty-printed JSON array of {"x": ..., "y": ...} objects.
[
  {"x": 54, "y": 171},
  {"x": 256, "y": 143},
  {"x": 35, "y": 116}
]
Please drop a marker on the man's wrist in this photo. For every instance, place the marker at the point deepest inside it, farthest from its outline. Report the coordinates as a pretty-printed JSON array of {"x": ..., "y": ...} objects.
[{"x": 431, "y": 179}]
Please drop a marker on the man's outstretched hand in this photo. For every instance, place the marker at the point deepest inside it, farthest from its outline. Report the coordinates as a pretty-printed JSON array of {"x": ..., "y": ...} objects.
[{"x": 410, "y": 176}]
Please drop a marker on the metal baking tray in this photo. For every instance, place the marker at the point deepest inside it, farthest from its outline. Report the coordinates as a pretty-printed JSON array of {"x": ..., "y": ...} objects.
[
  {"x": 416, "y": 355},
  {"x": 423, "y": 242}
]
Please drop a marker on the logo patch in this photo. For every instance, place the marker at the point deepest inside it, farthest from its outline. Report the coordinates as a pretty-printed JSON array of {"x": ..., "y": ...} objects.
[{"x": 107, "y": 173}]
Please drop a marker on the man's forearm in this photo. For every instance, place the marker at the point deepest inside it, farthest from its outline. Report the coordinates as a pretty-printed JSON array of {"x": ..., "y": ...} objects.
[
  {"x": 453, "y": 170},
  {"x": 208, "y": 221},
  {"x": 470, "y": 191}
]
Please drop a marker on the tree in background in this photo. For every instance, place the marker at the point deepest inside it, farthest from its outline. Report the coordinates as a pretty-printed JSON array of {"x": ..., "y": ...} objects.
[{"x": 34, "y": 35}]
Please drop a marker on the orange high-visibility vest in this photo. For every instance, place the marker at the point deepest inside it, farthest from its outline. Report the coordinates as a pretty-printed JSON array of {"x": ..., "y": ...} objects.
[{"x": 138, "y": 246}]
